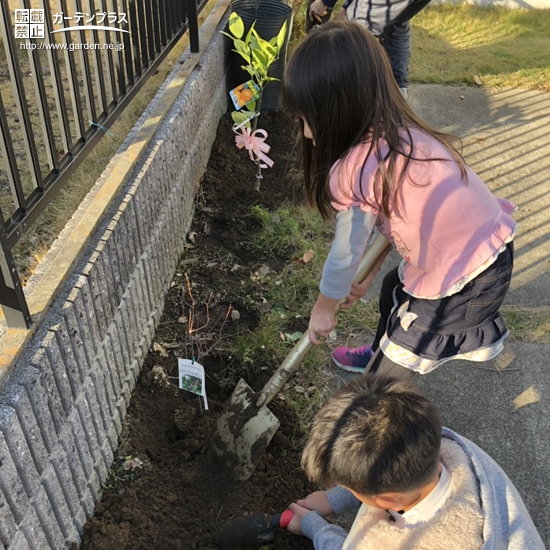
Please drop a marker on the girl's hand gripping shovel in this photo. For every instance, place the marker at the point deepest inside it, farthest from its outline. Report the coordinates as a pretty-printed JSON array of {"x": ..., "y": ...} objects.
[{"x": 246, "y": 426}]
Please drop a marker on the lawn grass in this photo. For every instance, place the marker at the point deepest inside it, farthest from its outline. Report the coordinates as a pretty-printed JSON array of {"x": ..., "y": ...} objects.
[
  {"x": 528, "y": 324},
  {"x": 454, "y": 43},
  {"x": 503, "y": 47}
]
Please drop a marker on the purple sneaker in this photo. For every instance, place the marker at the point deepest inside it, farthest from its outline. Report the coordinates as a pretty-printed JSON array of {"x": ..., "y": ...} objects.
[{"x": 353, "y": 359}]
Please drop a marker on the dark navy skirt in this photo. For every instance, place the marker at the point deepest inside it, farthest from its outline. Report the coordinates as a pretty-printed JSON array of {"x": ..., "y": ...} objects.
[{"x": 461, "y": 323}]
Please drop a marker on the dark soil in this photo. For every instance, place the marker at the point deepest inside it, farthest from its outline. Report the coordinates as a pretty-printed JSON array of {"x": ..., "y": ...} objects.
[{"x": 178, "y": 494}]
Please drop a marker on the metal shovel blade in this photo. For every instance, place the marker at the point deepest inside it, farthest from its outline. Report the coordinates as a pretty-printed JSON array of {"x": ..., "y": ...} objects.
[{"x": 243, "y": 432}]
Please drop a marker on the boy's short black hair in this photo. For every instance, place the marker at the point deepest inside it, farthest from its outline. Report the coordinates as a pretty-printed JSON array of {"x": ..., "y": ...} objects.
[{"x": 376, "y": 435}]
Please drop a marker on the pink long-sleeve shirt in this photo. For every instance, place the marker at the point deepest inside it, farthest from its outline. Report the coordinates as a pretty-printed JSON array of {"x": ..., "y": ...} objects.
[{"x": 445, "y": 226}]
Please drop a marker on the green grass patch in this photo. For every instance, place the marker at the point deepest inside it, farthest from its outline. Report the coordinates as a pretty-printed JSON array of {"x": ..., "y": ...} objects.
[
  {"x": 455, "y": 43},
  {"x": 528, "y": 324},
  {"x": 290, "y": 230},
  {"x": 287, "y": 294},
  {"x": 452, "y": 44}
]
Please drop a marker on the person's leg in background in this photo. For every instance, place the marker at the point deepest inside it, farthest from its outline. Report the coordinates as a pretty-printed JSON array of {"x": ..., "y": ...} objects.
[{"x": 396, "y": 40}]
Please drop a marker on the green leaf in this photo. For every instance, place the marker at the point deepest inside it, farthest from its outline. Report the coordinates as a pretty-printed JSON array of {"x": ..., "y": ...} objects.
[
  {"x": 242, "y": 49},
  {"x": 260, "y": 70},
  {"x": 271, "y": 50},
  {"x": 255, "y": 43},
  {"x": 260, "y": 57},
  {"x": 281, "y": 37},
  {"x": 250, "y": 33},
  {"x": 251, "y": 105},
  {"x": 294, "y": 337},
  {"x": 239, "y": 117},
  {"x": 250, "y": 70},
  {"x": 266, "y": 47},
  {"x": 243, "y": 55},
  {"x": 240, "y": 45},
  {"x": 236, "y": 25}
]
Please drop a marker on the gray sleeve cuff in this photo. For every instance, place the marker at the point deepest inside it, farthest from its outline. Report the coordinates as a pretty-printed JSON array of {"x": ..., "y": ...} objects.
[
  {"x": 325, "y": 535},
  {"x": 341, "y": 500},
  {"x": 353, "y": 228}
]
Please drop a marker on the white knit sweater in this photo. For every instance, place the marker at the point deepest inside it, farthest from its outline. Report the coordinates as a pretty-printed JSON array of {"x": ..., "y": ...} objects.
[
  {"x": 484, "y": 512},
  {"x": 457, "y": 525}
]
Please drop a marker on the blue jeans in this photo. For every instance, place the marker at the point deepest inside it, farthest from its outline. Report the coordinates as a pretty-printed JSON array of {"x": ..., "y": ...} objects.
[{"x": 396, "y": 40}]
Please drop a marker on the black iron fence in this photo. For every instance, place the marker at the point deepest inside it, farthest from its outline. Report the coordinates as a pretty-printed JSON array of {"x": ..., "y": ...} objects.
[{"x": 68, "y": 68}]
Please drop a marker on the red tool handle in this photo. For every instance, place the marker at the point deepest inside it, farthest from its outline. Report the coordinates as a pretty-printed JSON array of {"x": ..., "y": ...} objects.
[{"x": 286, "y": 516}]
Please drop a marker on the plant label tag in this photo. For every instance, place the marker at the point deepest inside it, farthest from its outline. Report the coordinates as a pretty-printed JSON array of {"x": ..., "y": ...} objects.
[
  {"x": 191, "y": 375},
  {"x": 244, "y": 93}
]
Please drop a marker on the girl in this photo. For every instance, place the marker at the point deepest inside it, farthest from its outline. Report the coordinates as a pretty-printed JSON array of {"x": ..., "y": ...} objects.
[{"x": 369, "y": 159}]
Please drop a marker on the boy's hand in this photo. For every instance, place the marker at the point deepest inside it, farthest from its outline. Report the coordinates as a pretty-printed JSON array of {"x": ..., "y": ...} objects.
[
  {"x": 323, "y": 319},
  {"x": 295, "y": 525},
  {"x": 317, "y": 501}
]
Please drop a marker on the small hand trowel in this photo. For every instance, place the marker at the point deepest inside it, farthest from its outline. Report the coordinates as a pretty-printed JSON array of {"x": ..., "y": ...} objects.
[{"x": 256, "y": 528}]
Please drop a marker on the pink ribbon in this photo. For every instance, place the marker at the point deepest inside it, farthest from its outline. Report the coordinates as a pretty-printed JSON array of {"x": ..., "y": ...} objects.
[{"x": 255, "y": 144}]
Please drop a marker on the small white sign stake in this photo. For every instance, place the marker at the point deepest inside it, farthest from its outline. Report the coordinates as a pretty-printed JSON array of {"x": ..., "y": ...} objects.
[{"x": 191, "y": 375}]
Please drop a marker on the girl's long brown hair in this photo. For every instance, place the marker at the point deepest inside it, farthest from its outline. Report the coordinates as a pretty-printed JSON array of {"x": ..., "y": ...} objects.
[{"x": 339, "y": 80}]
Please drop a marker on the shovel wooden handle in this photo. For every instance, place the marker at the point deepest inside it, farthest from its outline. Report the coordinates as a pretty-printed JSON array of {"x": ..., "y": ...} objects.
[{"x": 293, "y": 360}]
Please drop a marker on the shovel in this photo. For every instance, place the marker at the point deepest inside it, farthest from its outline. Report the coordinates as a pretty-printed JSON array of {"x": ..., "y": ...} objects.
[{"x": 246, "y": 426}]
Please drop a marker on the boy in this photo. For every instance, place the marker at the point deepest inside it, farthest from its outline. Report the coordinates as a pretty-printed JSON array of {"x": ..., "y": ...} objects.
[{"x": 379, "y": 443}]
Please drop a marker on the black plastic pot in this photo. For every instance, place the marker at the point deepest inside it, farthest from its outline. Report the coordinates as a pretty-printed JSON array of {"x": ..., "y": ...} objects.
[
  {"x": 269, "y": 16},
  {"x": 272, "y": 98}
]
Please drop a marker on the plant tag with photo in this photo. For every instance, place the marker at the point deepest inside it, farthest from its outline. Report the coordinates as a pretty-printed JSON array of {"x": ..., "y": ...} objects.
[
  {"x": 191, "y": 376},
  {"x": 244, "y": 94}
]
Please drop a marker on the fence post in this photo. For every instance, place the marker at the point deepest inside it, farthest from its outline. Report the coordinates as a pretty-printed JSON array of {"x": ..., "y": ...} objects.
[
  {"x": 12, "y": 298},
  {"x": 193, "y": 22}
]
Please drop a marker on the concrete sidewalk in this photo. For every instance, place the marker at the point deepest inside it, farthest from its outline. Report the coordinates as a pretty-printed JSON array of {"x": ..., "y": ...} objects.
[{"x": 506, "y": 136}]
